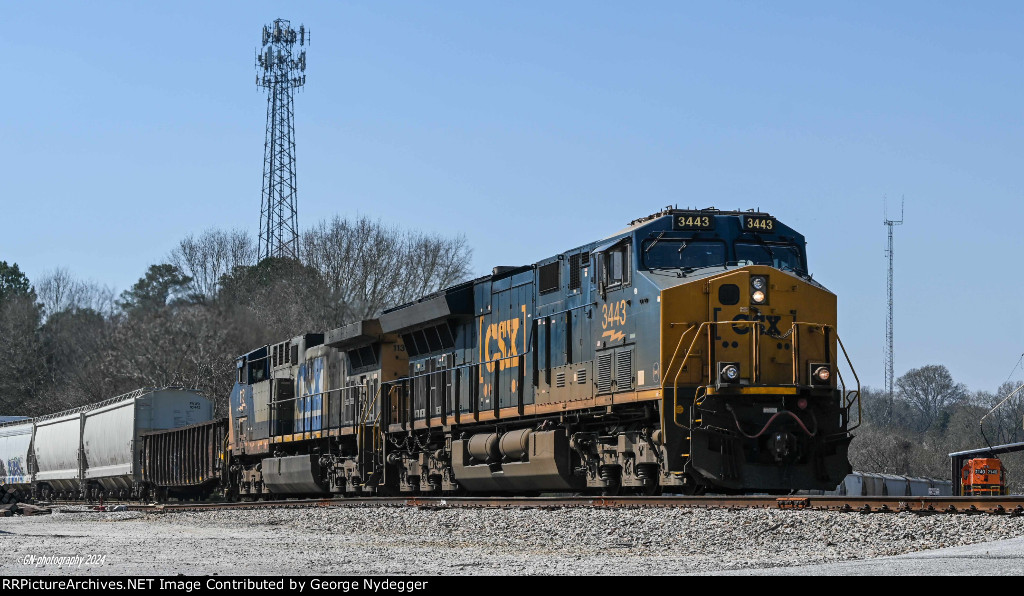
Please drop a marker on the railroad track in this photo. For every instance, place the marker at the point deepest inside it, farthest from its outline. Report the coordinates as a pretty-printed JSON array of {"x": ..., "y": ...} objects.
[{"x": 926, "y": 505}]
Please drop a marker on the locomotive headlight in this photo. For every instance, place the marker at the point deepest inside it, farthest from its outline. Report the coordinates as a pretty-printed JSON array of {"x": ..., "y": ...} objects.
[
  {"x": 821, "y": 373},
  {"x": 759, "y": 289},
  {"x": 728, "y": 373}
]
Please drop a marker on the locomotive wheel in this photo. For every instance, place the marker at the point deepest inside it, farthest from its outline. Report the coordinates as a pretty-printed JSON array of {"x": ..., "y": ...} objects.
[
  {"x": 691, "y": 487},
  {"x": 651, "y": 490}
]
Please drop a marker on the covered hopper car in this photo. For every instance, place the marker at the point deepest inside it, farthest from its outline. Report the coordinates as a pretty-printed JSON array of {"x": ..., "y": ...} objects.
[
  {"x": 95, "y": 451},
  {"x": 15, "y": 447},
  {"x": 867, "y": 484}
]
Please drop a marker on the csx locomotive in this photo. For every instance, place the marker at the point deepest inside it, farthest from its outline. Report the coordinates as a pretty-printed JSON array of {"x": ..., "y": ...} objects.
[{"x": 689, "y": 352}]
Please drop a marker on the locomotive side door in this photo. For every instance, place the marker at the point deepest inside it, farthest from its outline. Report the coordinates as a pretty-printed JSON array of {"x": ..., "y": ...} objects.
[{"x": 612, "y": 328}]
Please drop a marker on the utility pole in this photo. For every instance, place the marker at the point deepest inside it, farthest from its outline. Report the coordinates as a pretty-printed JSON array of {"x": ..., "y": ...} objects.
[
  {"x": 889, "y": 358},
  {"x": 280, "y": 70}
]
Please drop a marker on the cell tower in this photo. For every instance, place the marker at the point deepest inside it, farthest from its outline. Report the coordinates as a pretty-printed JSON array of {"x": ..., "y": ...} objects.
[
  {"x": 889, "y": 378},
  {"x": 280, "y": 70}
]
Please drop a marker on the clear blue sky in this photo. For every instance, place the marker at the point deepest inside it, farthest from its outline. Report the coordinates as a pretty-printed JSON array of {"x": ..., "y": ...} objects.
[{"x": 533, "y": 127}]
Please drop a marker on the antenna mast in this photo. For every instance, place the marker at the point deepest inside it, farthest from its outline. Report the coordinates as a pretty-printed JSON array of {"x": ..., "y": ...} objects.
[
  {"x": 280, "y": 70},
  {"x": 889, "y": 358}
]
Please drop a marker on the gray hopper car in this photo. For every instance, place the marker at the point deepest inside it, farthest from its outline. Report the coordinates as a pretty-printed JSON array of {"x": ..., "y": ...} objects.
[
  {"x": 95, "y": 451},
  {"x": 869, "y": 484}
]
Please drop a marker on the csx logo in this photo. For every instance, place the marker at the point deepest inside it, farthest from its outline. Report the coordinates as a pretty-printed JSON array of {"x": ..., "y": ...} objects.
[
  {"x": 772, "y": 321},
  {"x": 500, "y": 345}
]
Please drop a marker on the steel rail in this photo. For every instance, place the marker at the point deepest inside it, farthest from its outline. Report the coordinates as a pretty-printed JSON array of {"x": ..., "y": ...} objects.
[{"x": 1005, "y": 505}]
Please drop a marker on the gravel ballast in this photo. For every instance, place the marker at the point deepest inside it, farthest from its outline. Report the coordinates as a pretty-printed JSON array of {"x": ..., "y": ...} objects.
[{"x": 396, "y": 540}]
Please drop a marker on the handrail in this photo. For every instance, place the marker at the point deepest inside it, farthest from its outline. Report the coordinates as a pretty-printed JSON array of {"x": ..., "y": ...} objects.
[
  {"x": 847, "y": 404},
  {"x": 377, "y": 435},
  {"x": 668, "y": 371},
  {"x": 362, "y": 421},
  {"x": 848, "y": 396},
  {"x": 675, "y": 380},
  {"x": 367, "y": 410}
]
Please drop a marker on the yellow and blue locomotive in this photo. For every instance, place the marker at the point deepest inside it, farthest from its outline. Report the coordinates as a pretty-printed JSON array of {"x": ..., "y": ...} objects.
[{"x": 689, "y": 352}]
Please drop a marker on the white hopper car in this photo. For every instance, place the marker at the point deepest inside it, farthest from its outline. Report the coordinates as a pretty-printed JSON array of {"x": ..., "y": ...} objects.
[
  {"x": 95, "y": 451},
  {"x": 15, "y": 446}
]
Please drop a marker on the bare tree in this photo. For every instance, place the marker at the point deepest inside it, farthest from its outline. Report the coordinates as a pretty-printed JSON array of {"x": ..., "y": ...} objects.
[
  {"x": 1004, "y": 424},
  {"x": 431, "y": 263},
  {"x": 368, "y": 265},
  {"x": 59, "y": 291},
  {"x": 208, "y": 257},
  {"x": 929, "y": 391},
  {"x": 877, "y": 449}
]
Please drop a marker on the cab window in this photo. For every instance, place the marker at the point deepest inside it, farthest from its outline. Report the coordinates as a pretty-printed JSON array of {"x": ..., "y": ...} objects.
[
  {"x": 615, "y": 266},
  {"x": 782, "y": 256},
  {"x": 661, "y": 253}
]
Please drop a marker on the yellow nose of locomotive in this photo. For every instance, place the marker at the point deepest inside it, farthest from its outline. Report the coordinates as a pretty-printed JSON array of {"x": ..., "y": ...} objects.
[
  {"x": 754, "y": 326},
  {"x": 751, "y": 381}
]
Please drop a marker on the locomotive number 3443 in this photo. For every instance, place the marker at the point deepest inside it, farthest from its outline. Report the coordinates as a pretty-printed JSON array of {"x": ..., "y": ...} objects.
[{"x": 613, "y": 314}]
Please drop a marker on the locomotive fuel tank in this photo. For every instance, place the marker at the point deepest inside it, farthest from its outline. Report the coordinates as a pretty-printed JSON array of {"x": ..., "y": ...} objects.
[{"x": 297, "y": 474}]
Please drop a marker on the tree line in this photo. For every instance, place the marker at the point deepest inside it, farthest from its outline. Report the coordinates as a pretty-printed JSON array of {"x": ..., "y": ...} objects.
[{"x": 69, "y": 342}]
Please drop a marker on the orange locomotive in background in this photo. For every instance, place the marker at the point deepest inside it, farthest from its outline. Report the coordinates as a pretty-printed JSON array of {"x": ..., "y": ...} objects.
[{"x": 983, "y": 476}]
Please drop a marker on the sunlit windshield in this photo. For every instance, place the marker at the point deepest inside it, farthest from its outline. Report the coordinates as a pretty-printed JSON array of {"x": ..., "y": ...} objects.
[
  {"x": 681, "y": 254},
  {"x": 783, "y": 256}
]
